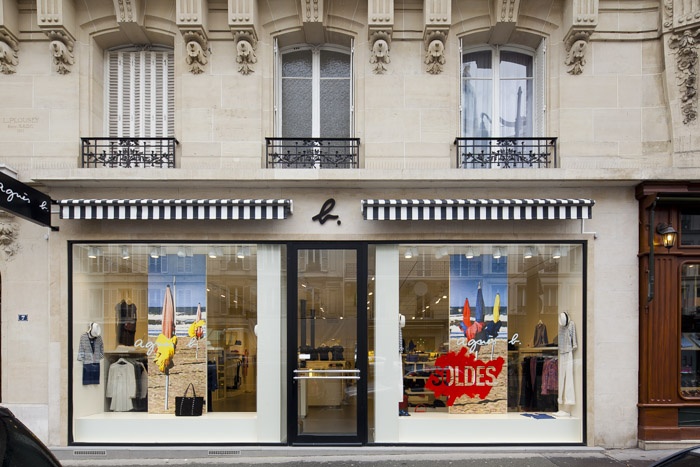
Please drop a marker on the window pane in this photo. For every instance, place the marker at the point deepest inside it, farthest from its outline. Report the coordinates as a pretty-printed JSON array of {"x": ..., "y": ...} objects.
[
  {"x": 690, "y": 228},
  {"x": 334, "y": 64},
  {"x": 297, "y": 64},
  {"x": 335, "y": 108},
  {"x": 477, "y": 93},
  {"x": 477, "y": 105},
  {"x": 296, "y": 107},
  {"x": 477, "y": 65},
  {"x": 690, "y": 330},
  {"x": 516, "y": 107},
  {"x": 515, "y": 65}
]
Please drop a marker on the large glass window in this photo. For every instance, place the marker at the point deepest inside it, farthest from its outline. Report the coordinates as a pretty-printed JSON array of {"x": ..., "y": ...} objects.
[
  {"x": 486, "y": 332},
  {"x": 150, "y": 321},
  {"x": 316, "y": 92}
]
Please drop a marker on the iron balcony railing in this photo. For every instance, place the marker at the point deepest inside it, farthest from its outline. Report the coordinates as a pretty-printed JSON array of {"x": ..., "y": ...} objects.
[
  {"x": 312, "y": 153},
  {"x": 128, "y": 152},
  {"x": 506, "y": 153}
]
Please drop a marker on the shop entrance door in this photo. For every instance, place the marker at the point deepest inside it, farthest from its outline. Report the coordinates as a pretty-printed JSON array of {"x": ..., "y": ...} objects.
[{"x": 327, "y": 351}]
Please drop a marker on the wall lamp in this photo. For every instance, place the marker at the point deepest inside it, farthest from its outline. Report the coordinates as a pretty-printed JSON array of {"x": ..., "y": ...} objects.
[{"x": 668, "y": 235}]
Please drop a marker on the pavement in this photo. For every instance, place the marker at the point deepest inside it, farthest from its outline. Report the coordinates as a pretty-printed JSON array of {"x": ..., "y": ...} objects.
[{"x": 408, "y": 456}]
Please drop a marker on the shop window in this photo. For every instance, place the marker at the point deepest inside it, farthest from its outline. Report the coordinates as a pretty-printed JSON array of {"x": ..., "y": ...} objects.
[
  {"x": 690, "y": 330},
  {"x": 140, "y": 93},
  {"x": 488, "y": 337},
  {"x": 316, "y": 92},
  {"x": 148, "y": 321},
  {"x": 501, "y": 94}
]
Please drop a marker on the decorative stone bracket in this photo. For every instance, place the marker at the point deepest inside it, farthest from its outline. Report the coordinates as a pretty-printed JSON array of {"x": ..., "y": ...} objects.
[
  {"x": 380, "y": 44},
  {"x": 576, "y": 46},
  {"x": 55, "y": 18},
  {"x": 197, "y": 48},
  {"x": 8, "y": 53},
  {"x": 191, "y": 20},
  {"x": 61, "y": 47},
  {"x": 437, "y": 19},
  {"x": 435, "y": 51},
  {"x": 242, "y": 17},
  {"x": 580, "y": 20},
  {"x": 380, "y": 24}
]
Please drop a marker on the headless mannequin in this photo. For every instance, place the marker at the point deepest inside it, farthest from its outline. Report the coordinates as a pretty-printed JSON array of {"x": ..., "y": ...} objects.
[{"x": 567, "y": 344}]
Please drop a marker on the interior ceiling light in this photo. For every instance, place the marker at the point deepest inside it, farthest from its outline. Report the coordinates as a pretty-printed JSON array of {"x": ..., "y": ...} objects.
[
  {"x": 155, "y": 253},
  {"x": 470, "y": 253},
  {"x": 125, "y": 252},
  {"x": 529, "y": 253},
  {"x": 556, "y": 254}
]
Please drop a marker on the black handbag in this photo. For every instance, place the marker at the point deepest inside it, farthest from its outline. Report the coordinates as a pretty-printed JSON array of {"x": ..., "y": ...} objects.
[{"x": 188, "y": 406}]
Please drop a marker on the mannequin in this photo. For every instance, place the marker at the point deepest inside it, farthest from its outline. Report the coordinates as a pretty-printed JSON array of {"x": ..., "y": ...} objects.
[
  {"x": 567, "y": 344},
  {"x": 90, "y": 352}
]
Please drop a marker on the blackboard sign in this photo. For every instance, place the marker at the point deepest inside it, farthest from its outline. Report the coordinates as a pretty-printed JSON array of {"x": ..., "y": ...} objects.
[{"x": 24, "y": 201}]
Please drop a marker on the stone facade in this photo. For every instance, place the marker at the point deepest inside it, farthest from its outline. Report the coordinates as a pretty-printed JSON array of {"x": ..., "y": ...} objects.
[{"x": 620, "y": 96}]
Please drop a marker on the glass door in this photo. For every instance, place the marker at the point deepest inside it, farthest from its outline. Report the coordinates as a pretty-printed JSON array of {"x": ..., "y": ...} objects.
[{"x": 327, "y": 344}]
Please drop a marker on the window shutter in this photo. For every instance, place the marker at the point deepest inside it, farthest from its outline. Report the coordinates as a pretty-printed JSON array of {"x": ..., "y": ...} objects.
[
  {"x": 141, "y": 94},
  {"x": 540, "y": 89}
]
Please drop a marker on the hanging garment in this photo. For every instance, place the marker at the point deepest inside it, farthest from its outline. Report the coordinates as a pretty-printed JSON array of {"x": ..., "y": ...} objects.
[
  {"x": 540, "y": 338},
  {"x": 121, "y": 386}
]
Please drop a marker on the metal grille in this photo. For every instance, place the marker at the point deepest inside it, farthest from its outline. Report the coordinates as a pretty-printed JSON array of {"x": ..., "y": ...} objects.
[
  {"x": 312, "y": 153},
  {"x": 506, "y": 153},
  {"x": 128, "y": 152}
]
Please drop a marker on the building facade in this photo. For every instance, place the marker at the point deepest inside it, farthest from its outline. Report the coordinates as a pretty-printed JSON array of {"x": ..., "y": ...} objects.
[{"x": 347, "y": 222}]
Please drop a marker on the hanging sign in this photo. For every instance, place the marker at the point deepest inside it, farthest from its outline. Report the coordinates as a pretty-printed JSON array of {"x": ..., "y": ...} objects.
[{"x": 24, "y": 201}]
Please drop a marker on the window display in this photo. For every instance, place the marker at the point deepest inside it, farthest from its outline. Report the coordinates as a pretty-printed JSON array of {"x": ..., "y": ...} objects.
[
  {"x": 690, "y": 331},
  {"x": 490, "y": 329},
  {"x": 150, "y": 320}
]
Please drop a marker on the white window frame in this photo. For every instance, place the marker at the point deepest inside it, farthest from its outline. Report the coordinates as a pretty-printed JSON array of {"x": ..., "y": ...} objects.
[
  {"x": 539, "y": 79},
  {"x": 315, "y": 85}
]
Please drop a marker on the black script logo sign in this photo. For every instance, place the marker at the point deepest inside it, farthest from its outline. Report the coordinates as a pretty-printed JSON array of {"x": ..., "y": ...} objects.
[
  {"x": 24, "y": 201},
  {"x": 325, "y": 213}
]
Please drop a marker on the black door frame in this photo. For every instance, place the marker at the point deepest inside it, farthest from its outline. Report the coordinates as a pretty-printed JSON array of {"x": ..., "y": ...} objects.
[{"x": 293, "y": 437}]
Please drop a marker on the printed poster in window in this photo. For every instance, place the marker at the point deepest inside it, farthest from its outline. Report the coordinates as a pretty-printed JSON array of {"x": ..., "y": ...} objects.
[
  {"x": 176, "y": 329},
  {"x": 475, "y": 373}
]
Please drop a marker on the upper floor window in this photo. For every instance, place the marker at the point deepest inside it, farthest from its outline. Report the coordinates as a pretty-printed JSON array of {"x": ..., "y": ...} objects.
[
  {"x": 502, "y": 92},
  {"x": 316, "y": 92},
  {"x": 140, "y": 93}
]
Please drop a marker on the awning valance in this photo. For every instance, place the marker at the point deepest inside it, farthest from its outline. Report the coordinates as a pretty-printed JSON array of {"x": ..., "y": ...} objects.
[
  {"x": 175, "y": 209},
  {"x": 476, "y": 209}
]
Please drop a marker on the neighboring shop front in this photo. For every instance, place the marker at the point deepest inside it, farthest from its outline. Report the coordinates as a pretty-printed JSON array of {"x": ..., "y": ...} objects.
[
  {"x": 346, "y": 320},
  {"x": 669, "y": 399}
]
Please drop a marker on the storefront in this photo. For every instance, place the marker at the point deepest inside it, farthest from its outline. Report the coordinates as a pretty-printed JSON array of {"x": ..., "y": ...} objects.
[
  {"x": 353, "y": 321},
  {"x": 669, "y": 300}
]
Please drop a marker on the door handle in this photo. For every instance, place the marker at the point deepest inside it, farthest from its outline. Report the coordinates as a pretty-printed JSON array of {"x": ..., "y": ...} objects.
[{"x": 327, "y": 374}]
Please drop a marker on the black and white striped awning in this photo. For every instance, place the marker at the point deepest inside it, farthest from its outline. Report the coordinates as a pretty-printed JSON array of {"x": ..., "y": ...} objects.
[
  {"x": 175, "y": 209},
  {"x": 476, "y": 209}
]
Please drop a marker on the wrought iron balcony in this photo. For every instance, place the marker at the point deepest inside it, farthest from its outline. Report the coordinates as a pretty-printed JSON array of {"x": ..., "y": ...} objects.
[
  {"x": 506, "y": 153},
  {"x": 128, "y": 152},
  {"x": 312, "y": 153}
]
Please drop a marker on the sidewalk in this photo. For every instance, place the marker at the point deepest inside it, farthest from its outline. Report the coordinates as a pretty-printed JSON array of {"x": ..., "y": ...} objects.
[{"x": 347, "y": 457}]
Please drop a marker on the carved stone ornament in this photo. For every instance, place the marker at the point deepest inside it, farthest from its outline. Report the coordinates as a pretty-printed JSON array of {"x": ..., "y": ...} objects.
[
  {"x": 435, "y": 52},
  {"x": 379, "y": 45},
  {"x": 576, "y": 47},
  {"x": 245, "y": 52},
  {"x": 196, "y": 57},
  {"x": 61, "y": 47},
  {"x": 8, "y": 239},
  {"x": 8, "y": 54},
  {"x": 685, "y": 48}
]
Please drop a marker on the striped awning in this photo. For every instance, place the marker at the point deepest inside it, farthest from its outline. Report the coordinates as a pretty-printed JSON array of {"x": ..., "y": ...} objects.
[
  {"x": 175, "y": 209},
  {"x": 476, "y": 209}
]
